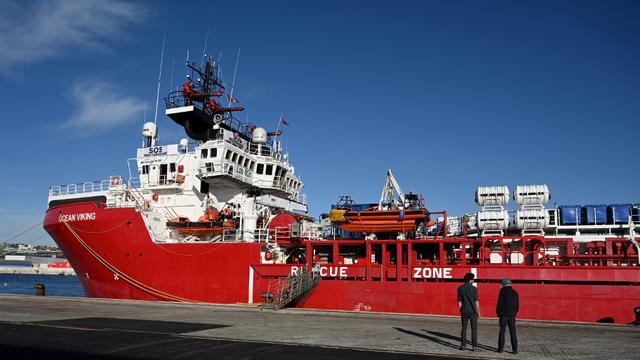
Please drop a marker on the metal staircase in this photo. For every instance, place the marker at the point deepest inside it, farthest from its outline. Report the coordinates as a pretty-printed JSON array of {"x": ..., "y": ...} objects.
[{"x": 285, "y": 290}]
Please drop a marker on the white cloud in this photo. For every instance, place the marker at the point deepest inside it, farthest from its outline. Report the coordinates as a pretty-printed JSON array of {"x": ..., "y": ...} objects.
[
  {"x": 100, "y": 107},
  {"x": 34, "y": 31}
]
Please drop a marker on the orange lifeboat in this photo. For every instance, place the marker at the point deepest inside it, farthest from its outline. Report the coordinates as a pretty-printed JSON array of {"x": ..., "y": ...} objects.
[
  {"x": 212, "y": 223},
  {"x": 379, "y": 221},
  {"x": 201, "y": 229}
]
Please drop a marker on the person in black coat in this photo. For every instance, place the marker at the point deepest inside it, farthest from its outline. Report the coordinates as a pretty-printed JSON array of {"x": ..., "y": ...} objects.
[
  {"x": 469, "y": 311},
  {"x": 507, "y": 308}
]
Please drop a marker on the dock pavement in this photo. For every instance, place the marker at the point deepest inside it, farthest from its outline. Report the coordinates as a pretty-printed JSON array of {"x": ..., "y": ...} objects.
[{"x": 81, "y": 328}]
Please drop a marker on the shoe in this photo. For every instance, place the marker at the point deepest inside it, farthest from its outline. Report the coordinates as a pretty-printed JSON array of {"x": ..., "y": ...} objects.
[
  {"x": 473, "y": 348},
  {"x": 515, "y": 352},
  {"x": 461, "y": 348},
  {"x": 500, "y": 351}
]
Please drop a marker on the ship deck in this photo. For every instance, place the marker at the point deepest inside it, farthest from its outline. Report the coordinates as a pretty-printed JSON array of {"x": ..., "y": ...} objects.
[{"x": 118, "y": 329}]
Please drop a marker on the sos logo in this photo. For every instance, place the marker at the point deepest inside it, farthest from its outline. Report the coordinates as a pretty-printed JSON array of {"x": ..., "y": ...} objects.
[{"x": 155, "y": 150}]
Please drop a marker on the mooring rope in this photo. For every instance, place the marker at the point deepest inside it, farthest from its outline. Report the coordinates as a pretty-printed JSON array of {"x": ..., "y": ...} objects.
[
  {"x": 22, "y": 232},
  {"x": 121, "y": 274}
]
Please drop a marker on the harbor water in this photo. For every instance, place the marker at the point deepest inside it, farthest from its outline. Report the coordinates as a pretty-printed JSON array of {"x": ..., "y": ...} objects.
[{"x": 56, "y": 285}]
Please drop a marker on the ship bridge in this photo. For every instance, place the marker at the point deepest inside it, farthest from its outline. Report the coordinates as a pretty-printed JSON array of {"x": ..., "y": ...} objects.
[{"x": 232, "y": 160}]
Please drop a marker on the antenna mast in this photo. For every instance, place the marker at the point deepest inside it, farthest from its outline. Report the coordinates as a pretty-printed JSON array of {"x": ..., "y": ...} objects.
[
  {"x": 144, "y": 118},
  {"x": 204, "y": 49},
  {"x": 155, "y": 117},
  {"x": 233, "y": 83}
]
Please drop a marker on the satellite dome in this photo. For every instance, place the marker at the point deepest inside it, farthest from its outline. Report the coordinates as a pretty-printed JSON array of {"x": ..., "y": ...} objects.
[
  {"x": 149, "y": 129},
  {"x": 259, "y": 136}
]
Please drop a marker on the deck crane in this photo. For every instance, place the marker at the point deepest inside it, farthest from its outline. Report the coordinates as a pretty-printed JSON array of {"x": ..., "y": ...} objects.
[{"x": 386, "y": 198}]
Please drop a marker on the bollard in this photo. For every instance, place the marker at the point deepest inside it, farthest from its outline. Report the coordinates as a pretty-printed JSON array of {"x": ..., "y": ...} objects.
[
  {"x": 637, "y": 311},
  {"x": 39, "y": 289}
]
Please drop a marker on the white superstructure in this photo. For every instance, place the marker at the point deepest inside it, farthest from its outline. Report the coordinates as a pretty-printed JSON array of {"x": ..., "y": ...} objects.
[{"x": 232, "y": 175}]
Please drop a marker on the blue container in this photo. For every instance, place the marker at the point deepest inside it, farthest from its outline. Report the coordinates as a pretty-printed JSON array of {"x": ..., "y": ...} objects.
[
  {"x": 570, "y": 214},
  {"x": 635, "y": 213},
  {"x": 361, "y": 207},
  {"x": 596, "y": 214},
  {"x": 619, "y": 213}
]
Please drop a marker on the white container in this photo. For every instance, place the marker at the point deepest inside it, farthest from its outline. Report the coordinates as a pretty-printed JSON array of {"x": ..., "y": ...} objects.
[
  {"x": 531, "y": 195},
  {"x": 492, "y": 195},
  {"x": 532, "y": 219},
  {"x": 493, "y": 220}
]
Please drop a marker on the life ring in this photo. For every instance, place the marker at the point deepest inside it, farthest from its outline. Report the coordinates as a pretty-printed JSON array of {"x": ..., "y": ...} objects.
[{"x": 115, "y": 180}]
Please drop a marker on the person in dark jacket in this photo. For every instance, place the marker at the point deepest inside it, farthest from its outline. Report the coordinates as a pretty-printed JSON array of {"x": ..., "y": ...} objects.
[
  {"x": 469, "y": 310},
  {"x": 507, "y": 308}
]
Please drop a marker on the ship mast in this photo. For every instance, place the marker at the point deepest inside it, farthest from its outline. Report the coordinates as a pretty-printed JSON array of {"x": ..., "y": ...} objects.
[{"x": 155, "y": 117}]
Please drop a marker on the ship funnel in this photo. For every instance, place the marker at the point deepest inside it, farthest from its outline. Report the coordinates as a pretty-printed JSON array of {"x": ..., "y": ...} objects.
[{"x": 149, "y": 131}]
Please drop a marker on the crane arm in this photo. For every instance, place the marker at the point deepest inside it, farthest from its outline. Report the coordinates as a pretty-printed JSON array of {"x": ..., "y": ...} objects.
[{"x": 390, "y": 183}]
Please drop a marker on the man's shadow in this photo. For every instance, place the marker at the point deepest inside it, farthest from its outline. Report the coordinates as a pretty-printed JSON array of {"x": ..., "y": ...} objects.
[
  {"x": 430, "y": 338},
  {"x": 442, "y": 338}
]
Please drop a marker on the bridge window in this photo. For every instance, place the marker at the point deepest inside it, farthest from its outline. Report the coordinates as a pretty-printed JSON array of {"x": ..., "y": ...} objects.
[
  {"x": 235, "y": 157},
  {"x": 145, "y": 169},
  {"x": 269, "y": 170},
  {"x": 240, "y": 160},
  {"x": 253, "y": 165},
  {"x": 260, "y": 169},
  {"x": 228, "y": 155},
  {"x": 213, "y": 152},
  {"x": 203, "y": 153},
  {"x": 172, "y": 167}
]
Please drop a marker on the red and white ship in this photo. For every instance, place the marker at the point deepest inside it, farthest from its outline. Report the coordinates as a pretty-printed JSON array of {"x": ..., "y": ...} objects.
[{"x": 223, "y": 221}]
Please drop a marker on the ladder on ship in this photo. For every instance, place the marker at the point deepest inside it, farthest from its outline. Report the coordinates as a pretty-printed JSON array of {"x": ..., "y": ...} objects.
[{"x": 286, "y": 290}]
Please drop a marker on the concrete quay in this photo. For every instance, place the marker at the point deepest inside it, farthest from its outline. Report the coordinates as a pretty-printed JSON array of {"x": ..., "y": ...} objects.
[{"x": 74, "y": 328}]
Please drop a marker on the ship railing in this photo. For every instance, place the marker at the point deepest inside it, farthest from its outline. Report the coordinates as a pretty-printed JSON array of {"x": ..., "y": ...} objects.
[
  {"x": 286, "y": 290},
  {"x": 273, "y": 235},
  {"x": 238, "y": 172},
  {"x": 311, "y": 232},
  {"x": 134, "y": 182},
  {"x": 238, "y": 235},
  {"x": 226, "y": 168},
  {"x": 265, "y": 150},
  {"x": 176, "y": 100},
  {"x": 278, "y": 182},
  {"x": 86, "y": 187}
]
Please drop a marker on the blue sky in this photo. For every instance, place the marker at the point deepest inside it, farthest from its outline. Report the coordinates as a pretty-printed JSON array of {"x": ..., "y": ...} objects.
[{"x": 449, "y": 94}]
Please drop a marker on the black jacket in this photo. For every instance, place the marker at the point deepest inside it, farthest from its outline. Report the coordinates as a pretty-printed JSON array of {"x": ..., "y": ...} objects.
[
  {"x": 508, "y": 302},
  {"x": 468, "y": 295}
]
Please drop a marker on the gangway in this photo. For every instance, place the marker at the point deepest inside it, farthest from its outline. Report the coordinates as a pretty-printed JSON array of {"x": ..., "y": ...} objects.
[{"x": 286, "y": 290}]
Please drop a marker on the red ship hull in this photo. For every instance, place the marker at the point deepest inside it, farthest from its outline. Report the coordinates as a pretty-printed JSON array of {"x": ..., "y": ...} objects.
[{"x": 114, "y": 256}]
